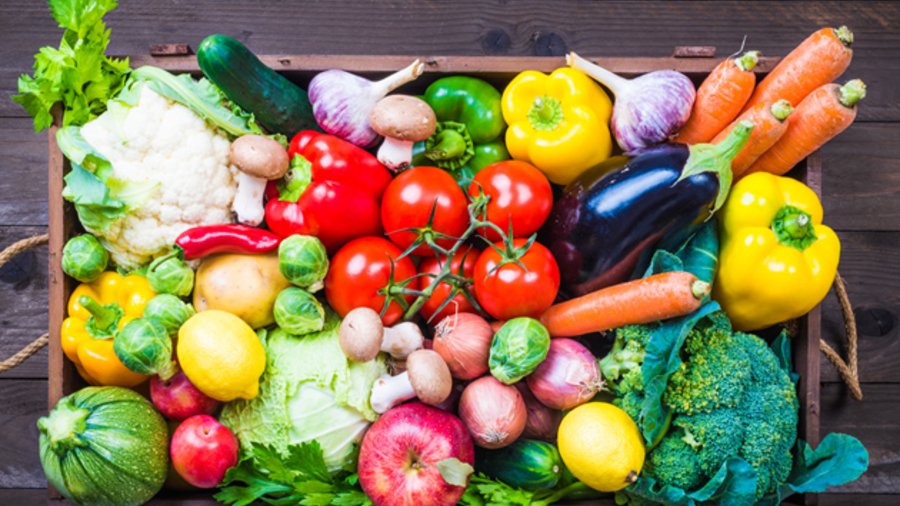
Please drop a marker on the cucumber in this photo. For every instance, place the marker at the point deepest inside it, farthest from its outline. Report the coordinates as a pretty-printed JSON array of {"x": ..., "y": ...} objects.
[
  {"x": 279, "y": 105},
  {"x": 527, "y": 463}
]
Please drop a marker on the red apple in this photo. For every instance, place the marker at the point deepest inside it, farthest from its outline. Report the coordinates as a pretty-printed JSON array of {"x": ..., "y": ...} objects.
[
  {"x": 177, "y": 398},
  {"x": 399, "y": 456},
  {"x": 202, "y": 450}
]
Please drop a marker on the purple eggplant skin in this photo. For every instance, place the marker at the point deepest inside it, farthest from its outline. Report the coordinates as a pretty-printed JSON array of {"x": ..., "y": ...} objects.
[{"x": 605, "y": 219}]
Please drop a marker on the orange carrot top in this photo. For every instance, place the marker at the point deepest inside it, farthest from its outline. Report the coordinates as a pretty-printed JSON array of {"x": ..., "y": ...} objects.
[
  {"x": 720, "y": 98},
  {"x": 821, "y": 116},
  {"x": 818, "y": 60}
]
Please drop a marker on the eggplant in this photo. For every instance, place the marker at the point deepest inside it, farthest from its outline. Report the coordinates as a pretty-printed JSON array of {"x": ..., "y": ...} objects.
[{"x": 607, "y": 219}]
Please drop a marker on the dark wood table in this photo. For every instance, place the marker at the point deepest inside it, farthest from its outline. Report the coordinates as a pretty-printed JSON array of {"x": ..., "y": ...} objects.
[{"x": 861, "y": 167}]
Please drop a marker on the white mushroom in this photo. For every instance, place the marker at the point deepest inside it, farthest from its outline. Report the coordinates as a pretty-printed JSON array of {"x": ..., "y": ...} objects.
[
  {"x": 362, "y": 336},
  {"x": 259, "y": 159},
  {"x": 426, "y": 377},
  {"x": 403, "y": 120}
]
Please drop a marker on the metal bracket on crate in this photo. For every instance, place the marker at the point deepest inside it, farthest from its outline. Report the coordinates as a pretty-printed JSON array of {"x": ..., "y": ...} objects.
[
  {"x": 177, "y": 49},
  {"x": 694, "y": 52}
]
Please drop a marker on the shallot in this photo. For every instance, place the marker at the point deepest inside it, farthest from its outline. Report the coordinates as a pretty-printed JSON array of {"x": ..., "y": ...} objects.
[
  {"x": 569, "y": 376},
  {"x": 463, "y": 340},
  {"x": 342, "y": 102},
  {"x": 648, "y": 108},
  {"x": 493, "y": 412}
]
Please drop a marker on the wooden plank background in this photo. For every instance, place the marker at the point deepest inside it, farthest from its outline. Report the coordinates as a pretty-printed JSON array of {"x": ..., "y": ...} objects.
[{"x": 861, "y": 168}]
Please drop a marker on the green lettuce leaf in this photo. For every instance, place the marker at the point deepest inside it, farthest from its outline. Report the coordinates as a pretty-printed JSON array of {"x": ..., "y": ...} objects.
[
  {"x": 699, "y": 255},
  {"x": 77, "y": 74},
  {"x": 202, "y": 97}
]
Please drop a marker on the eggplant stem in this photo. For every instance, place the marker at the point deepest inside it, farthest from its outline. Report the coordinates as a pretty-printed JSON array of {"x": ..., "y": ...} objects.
[
  {"x": 399, "y": 78},
  {"x": 614, "y": 82}
]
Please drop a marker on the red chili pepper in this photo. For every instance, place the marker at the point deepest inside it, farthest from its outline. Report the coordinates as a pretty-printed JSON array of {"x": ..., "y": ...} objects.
[{"x": 199, "y": 242}]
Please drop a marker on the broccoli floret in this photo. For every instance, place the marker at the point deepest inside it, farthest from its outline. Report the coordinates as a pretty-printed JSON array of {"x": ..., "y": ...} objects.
[
  {"x": 715, "y": 374},
  {"x": 675, "y": 462},
  {"x": 730, "y": 397},
  {"x": 621, "y": 367}
]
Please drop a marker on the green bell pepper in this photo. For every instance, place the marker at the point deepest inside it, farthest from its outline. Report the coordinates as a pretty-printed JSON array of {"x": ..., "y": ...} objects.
[{"x": 469, "y": 134}]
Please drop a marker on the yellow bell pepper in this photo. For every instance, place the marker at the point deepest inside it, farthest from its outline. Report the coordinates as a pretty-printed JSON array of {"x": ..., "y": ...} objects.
[
  {"x": 97, "y": 310},
  {"x": 777, "y": 260},
  {"x": 558, "y": 122}
]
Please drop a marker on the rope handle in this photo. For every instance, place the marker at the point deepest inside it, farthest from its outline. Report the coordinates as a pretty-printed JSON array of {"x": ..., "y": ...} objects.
[
  {"x": 34, "y": 346},
  {"x": 849, "y": 370}
]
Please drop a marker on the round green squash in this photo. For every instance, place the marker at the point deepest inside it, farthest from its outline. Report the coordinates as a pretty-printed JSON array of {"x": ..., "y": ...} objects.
[
  {"x": 527, "y": 463},
  {"x": 104, "y": 446}
]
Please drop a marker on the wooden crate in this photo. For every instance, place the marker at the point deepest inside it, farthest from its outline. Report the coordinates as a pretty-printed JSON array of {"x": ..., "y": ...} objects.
[{"x": 63, "y": 222}]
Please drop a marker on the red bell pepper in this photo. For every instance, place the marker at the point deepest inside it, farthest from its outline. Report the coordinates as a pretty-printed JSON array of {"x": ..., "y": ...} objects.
[{"x": 333, "y": 191}]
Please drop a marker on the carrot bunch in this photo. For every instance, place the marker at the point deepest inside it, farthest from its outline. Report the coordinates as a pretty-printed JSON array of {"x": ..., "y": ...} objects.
[{"x": 795, "y": 109}]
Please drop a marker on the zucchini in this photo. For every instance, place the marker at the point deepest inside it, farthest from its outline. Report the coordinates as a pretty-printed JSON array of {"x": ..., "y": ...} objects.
[
  {"x": 279, "y": 105},
  {"x": 527, "y": 463}
]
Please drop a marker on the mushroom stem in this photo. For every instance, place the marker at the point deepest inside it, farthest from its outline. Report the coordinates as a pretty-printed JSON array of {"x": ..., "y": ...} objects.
[
  {"x": 248, "y": 199},
  {"x": 388, "y": 391},
  {"x": 395, "y": 154},
  {"x": 402, "y": 339}
]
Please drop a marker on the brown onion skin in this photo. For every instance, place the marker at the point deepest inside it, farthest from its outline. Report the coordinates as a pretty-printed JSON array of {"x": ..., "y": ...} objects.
[
  {"x": 568, "y": 377},
  {"x": 494, "y": 413},
  {"x": 463, "y": 340},
  {"x": 541, "y": 422}
]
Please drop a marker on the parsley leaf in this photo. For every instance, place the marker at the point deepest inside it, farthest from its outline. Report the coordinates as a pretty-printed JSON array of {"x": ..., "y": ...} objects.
[{"x": 299, "y": 476}]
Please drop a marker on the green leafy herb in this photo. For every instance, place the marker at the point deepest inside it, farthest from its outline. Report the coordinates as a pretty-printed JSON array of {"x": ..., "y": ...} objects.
[
  {"x": 77, "y": 74},
  {"x": 484, "y": 491},
  {"x": 300, "y": 476}
]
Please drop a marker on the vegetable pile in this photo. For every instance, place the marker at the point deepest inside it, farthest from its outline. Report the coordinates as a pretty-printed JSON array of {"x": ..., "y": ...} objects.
[{"x": 355, "y": 296}]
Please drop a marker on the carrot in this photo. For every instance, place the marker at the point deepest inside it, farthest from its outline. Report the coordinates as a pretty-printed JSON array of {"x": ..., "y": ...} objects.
[
  {"x": 768, "y": 126},
  {"x": 645, "y": 300},
  {"x": 720, "y": 98},
  {"x": 822, "y": 115},
  {"x": 818, "y": 60}
]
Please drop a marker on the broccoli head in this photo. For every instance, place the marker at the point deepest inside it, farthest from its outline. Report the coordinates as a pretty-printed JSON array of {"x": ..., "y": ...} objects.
[{"x": 729, "y": 398}]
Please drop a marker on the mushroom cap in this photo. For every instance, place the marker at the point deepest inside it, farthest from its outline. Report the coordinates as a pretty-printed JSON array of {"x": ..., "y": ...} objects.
[
  {"x": 429, "y": 376},
  {"x": 259, "y": 156},
  {"x": 361, "y": 334},
  {"x": 403, "y": 117}
]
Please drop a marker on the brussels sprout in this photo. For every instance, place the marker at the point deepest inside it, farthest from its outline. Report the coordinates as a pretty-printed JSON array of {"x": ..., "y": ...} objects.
[
  {"x": 298, "y": 312},
  {"x": 518, "y": 348},
  {"x": 170, "y": 311},
  {"x": 303, "y": 261},
  {"x": 145, "y": 347},
  {"x": 169, "y": 274},
  {"x": 84, "y": 258}
]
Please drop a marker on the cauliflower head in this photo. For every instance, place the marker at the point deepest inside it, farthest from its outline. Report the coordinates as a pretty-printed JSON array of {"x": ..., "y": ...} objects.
[{"x": 161, "y": 143}]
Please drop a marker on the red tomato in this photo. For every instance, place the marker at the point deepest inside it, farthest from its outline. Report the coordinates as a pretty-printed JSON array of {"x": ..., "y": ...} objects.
[
  {"x": 519, "y": 193},
  {"x": 409, "y": 199},
  {"x": 360, "y": 270},
  {"x": 510, "y": 291},
  {"x": 459, "y": 304}
]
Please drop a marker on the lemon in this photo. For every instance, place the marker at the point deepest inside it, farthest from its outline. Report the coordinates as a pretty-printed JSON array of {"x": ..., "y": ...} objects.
[
  {"x": 221, "y": 355},
  {"x": 602, "y": 446}
]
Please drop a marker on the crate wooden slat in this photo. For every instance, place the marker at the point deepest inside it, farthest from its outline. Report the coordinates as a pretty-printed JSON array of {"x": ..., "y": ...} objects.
[{"x": 63, "y": 222}]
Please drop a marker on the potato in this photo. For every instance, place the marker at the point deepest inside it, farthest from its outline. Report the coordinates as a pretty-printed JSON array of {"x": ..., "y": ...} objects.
[{"x": 244, "y": 285}]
